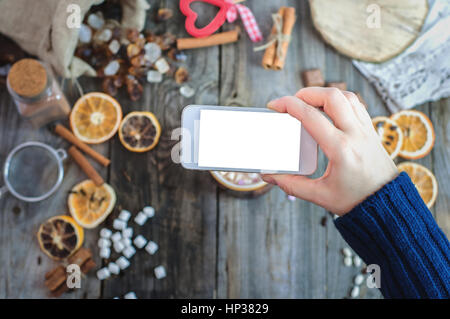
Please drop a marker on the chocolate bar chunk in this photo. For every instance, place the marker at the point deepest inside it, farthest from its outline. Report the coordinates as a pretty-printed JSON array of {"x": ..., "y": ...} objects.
[
  {"x": 313, "y": 78},
  {"x": 340, "y": 85}
]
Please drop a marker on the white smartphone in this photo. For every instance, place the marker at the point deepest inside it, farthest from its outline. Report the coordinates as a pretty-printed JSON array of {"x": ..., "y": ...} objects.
[{"x": 245, "y": 139}]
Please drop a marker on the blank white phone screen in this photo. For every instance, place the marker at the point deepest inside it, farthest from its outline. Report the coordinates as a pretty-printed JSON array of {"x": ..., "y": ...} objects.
[{"x": 249, "y": 140}]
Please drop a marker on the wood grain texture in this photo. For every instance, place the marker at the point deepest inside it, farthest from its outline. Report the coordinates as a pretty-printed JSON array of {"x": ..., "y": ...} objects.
[
  {"x": 184, "y": 226},
  {"x": 346, "y": 26},
  {"x": 440, "y": 116},
  {"x": 269, "y": 246},
  {"x": 212, "y": 244},
  {"x": 24, "y": 265}
]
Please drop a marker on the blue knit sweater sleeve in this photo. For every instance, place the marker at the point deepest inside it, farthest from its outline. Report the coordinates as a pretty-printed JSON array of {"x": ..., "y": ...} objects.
[{"x": 394, "y": 229}]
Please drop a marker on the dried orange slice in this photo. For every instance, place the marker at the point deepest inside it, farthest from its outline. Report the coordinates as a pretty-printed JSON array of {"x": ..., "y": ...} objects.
[
  {"x": 418, "y": 133},
  {"x": 60, "y": 236},
  {"x": 140, "y": 131},
  {"x": 89, "y": 204},
  {"x": 390, "y": 134},
  {"x": 423, "y": 179},
  {"x": 238, "y": 181},
  {"x": 95, "y": 118}
]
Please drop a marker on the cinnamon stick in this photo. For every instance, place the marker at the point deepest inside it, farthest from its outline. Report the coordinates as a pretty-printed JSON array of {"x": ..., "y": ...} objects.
[
  {"x": 289, "y": 18},
  {"x": 269, "y": 54},
  {"x": 55, "y": 278},
  {"x": 215, "y": 39},
  {"x": 68, "y": 136},
  {"x": 86, "y": 166}
]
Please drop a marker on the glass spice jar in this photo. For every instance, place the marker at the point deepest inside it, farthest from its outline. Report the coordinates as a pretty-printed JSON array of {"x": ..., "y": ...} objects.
[{"x": 36, "y": 93}]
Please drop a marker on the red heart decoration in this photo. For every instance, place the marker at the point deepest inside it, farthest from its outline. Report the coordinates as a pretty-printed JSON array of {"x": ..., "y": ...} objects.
[{"x": 213, "y": 26}]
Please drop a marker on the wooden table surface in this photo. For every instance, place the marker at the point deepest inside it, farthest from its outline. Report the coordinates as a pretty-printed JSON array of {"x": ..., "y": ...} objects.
[{"x": 213, "y": 245}]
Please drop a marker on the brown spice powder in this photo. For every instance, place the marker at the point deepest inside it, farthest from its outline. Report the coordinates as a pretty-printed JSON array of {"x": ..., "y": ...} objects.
[{"x": 28, "y": 78}]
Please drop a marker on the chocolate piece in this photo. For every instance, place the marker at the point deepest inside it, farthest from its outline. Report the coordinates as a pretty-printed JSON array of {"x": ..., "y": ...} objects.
[
  {"x": 181, "y": 75},
  {"x": 313, "y": 78},
  {"x": 340, "y": 85}
]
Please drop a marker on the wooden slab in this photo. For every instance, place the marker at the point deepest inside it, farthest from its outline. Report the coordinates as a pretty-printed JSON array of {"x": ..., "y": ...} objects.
[
  {"x": 269, "y": 246},
  {"x": 345, "y": 25},
  {"x": 212, "y": 244},
  {"x": 185, "y": 201}
]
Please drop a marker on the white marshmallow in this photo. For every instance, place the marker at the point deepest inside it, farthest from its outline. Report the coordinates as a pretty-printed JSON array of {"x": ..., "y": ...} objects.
[
  {"x": 160, "y": 272},
  {"x": 348, "y": 261},
  {"x": 122, "y": 262},
  {"x": 355, "y": 292},
  {"x": 130, "y": 295},
  {"x": 118, "y": 246},
  {"x": 117, "y": 236},
  {"x": 151, "y": 247},
  {"x": 103, "y": 274},
  {"x": 126, "y": 242},
  {"x": 105, "y": 233},
  {"x": 347, "y": 252},
  {"x": 140, "y": 218},
  {"x": 105, "y": 252},
  {"x": 149, "y": 211},
  {"x": 162, "y": 66},
  {"x": 357, "y": 261},
  {"x": 129, "y": 252},
  {"x": 113, "y": 268},
  {"x": 124, "y": 215},
  {"x": 127, "y": 232},
  {"x": 103, "y": 242},
  {"x": 119, "y": 224},
  {"x": 358, "y": 279},
  {"x": 140, "y": 241}
]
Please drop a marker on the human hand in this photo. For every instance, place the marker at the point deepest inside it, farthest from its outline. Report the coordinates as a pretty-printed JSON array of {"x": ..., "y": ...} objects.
[{"x": 358, "y": 164}]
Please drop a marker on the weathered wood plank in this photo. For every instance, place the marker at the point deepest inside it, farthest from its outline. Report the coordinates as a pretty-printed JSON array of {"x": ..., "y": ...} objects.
[
  {"x": 22, "y": 275},
  {"x": 185, "y": 201},
  {"x": 269, "y": 246},
  {"x": 339, "y": 68}
]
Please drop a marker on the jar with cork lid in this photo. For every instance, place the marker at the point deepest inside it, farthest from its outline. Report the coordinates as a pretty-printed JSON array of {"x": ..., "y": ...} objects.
[{"x": 36, "y": 93}]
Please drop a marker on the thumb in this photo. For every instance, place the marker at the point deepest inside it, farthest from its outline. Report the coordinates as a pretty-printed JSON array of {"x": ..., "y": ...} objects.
[
  {"x": 317, "y": 125},
  {"x": 299, "y": 186}
]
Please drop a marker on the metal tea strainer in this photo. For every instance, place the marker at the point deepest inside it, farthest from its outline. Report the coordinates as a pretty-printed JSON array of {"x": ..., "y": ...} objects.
[{"x": 33, "y": 171}]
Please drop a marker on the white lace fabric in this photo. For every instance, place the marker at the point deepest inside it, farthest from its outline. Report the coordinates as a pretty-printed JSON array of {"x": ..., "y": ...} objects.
[{"x": 422, "y": 72}]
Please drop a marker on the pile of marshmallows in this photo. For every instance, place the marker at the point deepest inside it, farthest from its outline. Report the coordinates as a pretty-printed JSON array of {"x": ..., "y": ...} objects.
[
  {"x": 121, "y": 241},
  {"x": 353, "y": 260}
]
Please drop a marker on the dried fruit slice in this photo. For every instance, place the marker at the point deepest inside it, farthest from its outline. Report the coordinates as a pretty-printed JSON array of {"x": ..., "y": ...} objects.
[
  {"x": 238, "y": 181},
  {"x": 89, "y": 204},
  {"x": 60, "y": 236},
  {"x": 390, "y": 134},
  {"x": 95, "y": 117},
  {"x": 423, "y": 179},
  {"x": 139, "y": 131},
  {"x": 418, "y": 133}
]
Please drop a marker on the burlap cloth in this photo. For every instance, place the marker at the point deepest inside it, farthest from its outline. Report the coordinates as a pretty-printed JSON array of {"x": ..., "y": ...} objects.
[{"x": 40, "y": 28}]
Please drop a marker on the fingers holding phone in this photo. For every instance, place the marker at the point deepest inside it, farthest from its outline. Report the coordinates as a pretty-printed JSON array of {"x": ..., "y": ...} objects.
[{"x": 358, "y": 164}]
